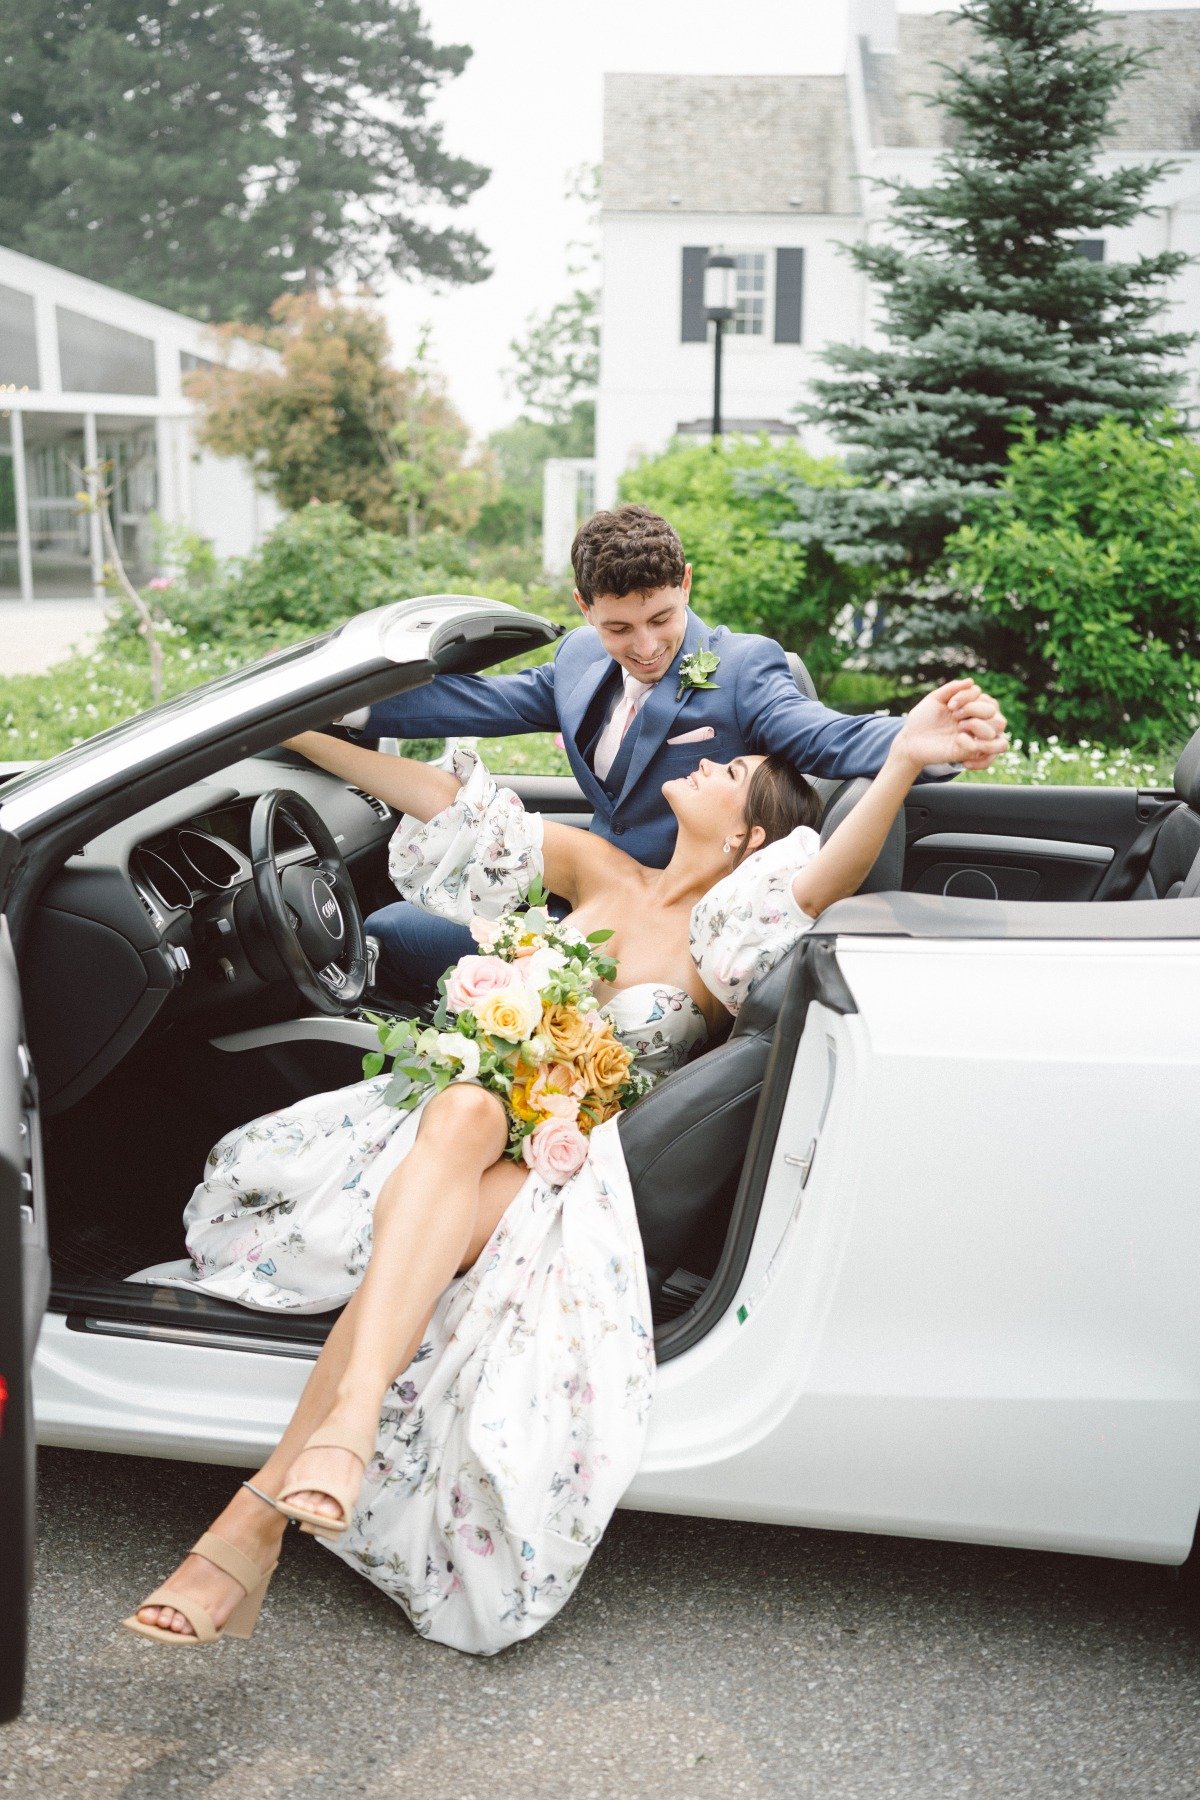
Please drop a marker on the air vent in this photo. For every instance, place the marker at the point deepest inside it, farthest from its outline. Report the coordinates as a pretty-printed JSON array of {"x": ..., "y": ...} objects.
[
  {"x": 377, "y": 806},
  {"x": 151, "y": 913}
]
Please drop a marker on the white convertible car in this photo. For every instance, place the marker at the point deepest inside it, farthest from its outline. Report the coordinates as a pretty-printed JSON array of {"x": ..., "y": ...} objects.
[{"x": 924, "y": 1232}]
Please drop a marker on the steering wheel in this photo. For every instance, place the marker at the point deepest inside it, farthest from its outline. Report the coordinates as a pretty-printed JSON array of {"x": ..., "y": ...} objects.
[{"x": 312, "y": 916}]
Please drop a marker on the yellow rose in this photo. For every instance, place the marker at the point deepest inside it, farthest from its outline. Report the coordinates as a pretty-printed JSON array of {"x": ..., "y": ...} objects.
[
  {"x": 604, "y": 1065},
  {"x": 567, "y": 1030},
  {"x": 509, "y": 1013}
]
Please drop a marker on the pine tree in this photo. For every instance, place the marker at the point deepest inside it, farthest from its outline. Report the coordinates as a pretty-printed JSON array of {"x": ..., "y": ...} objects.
[
  {"x": 993, "y": 320},
  {"x": 210, "y": 157}
]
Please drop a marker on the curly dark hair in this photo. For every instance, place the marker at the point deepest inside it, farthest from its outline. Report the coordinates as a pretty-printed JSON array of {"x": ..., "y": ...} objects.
[
  {"x": 629, "y": 550},
  {"x": 779, "y": 798}
]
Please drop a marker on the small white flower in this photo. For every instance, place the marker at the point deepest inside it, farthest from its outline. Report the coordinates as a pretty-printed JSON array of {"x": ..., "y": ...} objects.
[
  {"x": 535, "y": 970},
  {"x": 455, "y": 1048}
]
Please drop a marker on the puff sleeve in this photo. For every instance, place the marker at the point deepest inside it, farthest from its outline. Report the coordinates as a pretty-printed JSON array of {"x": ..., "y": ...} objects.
[
  {"x": 479, "y": 855},
  {"x": 750, "y": 920}
]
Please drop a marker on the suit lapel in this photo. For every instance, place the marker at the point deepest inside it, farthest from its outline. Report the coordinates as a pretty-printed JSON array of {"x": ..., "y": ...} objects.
[
  {"x": 571, "y": 717},
  {"x": 658, "y": 714}
]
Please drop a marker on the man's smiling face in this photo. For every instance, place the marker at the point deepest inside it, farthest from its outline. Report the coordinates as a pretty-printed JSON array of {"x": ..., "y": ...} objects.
[{"x": 641, "y": 631}]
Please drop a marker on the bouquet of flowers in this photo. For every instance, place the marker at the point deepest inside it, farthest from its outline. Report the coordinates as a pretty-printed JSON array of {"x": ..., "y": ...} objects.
[{"x": 521, "y": 1019}]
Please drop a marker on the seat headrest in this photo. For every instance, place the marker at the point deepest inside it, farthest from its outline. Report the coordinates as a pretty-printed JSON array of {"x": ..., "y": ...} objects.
[
  {"x": 887, "y": 872},
  {"x": 1187, "y": 773},
  {"x": 800, "y": 675}
]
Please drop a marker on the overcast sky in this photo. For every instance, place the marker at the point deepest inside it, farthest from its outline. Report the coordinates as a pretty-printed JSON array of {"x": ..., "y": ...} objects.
[{"x": 529, "y": 108}]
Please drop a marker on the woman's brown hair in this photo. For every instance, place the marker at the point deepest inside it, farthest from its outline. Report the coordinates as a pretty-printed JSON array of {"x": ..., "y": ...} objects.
[{"x": 779, "y": 798}]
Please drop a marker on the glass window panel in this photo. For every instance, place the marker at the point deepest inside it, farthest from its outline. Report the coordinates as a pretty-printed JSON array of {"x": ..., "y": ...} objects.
[
  {"x": 18, "y": 340},
  {"x": 189, "y": 363},
  {"x": 54, "y": 463},
  {"x": 750, "y": 287},
  {"x": 130, "y": 448},
  {"x": 10, "y": 572},
  {"x": 102, "y": 359}
]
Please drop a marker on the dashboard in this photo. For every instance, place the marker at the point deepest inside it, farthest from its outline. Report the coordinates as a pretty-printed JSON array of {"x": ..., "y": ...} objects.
[{"x": 156, "y": 921}]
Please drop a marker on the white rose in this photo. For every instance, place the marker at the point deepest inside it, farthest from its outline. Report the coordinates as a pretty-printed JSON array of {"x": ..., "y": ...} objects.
[
  {"x": 454, "y": 1048},
  {"x": 485, "y": 931},
  {"x": 535, "y": 970}
]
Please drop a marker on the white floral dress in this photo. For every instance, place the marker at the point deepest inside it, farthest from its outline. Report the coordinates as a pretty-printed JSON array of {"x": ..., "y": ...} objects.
[{"x": 505, "y": 1446}]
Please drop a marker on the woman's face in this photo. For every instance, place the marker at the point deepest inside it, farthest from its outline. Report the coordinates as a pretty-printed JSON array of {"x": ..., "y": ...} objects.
[{"x": 711, "y": 801}]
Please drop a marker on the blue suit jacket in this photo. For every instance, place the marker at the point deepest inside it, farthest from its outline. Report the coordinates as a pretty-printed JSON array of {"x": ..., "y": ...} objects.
[{"x": 755, "y": 706}]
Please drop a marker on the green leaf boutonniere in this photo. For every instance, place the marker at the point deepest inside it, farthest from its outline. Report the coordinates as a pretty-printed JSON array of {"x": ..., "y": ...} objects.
[{"x": 695, "y": 670}]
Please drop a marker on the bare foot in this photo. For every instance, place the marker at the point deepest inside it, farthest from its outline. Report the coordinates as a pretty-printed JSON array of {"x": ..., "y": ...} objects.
[{"x": 241, "y": 1525}]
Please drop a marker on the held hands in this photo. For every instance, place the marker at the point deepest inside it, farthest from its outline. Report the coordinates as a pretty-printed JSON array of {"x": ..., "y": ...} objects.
[{"x": 958, "y": 723}]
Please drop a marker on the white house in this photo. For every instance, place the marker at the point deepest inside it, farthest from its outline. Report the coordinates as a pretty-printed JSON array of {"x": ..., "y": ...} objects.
[
  {"x": 771, "y": 168},
  {"x": 90, "y": 374}
]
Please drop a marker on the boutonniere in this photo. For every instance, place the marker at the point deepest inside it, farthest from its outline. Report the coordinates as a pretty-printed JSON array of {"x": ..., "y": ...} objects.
[{"x": 695, "y": 670}]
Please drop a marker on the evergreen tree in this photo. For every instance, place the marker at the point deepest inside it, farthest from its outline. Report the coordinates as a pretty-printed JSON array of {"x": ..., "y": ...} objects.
[
  {"x": 993, "y": 320},
  {"x": 209, "y": 157}
]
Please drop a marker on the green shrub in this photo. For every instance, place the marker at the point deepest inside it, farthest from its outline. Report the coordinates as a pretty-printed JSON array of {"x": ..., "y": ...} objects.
[
  {"x": 744, "y": 576},
  {"x": 1085, "y": 565}
]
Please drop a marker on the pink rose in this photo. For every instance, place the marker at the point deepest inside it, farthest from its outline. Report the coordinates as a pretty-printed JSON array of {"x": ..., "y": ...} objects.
[
  {"x": 555, "y": 1150},
  {"x": 474, "y": 978}
]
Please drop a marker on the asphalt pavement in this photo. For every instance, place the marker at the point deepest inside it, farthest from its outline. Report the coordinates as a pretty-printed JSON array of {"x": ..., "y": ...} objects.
[{"x": 699, "y": 1658}]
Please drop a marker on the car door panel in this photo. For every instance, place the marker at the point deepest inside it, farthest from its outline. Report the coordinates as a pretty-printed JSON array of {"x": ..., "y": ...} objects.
[
  {"x": 979, "y": 841},
  {"x": 24, "y": 1288}
]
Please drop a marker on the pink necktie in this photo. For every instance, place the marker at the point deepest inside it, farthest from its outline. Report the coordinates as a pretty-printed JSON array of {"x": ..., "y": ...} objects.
[{"x": 623, "y": 717}]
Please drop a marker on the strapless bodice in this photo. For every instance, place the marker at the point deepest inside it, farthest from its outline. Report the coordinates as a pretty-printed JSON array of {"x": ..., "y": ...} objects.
[{"x": 661, "y": 1024}]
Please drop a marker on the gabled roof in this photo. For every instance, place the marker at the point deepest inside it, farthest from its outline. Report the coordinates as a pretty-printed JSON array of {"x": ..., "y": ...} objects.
[
  {"x": 727, "y": 143},
  {"x": 1160, "y": 111}
]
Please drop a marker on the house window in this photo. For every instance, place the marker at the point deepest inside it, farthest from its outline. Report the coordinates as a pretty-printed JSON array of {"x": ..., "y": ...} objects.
[
  {"x": 102, "y": 359},
  {"x": 18, "y": 340},
  {"x": 1091, "y": 249},
  {"x": 750, "y": 294}
]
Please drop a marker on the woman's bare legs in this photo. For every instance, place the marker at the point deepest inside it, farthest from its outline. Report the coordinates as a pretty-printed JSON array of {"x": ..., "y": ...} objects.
[{"x": 462, "y": 1133}]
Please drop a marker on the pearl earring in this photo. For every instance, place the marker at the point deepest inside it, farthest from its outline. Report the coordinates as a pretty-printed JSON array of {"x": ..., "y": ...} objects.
[{"x": 726, "y": 847}]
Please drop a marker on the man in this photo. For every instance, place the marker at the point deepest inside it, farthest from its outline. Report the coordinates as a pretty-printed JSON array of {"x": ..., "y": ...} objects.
[{"x": 639, "y": 695}]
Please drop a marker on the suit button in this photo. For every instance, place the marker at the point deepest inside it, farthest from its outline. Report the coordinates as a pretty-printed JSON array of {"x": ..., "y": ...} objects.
[{"x": 618, "y": 830}]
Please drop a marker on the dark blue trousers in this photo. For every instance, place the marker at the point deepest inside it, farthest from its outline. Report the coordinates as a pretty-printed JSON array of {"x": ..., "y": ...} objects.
[{"x": 415, "y": 947}]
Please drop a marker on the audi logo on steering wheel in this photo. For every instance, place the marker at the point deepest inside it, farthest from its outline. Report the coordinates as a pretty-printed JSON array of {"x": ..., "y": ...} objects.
[{"x": 327, "y": 908}]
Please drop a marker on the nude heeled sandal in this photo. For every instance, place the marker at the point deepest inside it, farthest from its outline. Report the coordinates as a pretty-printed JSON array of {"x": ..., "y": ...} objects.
[
  {"x": 241, "y": 1621},
  {"x": 321, "y": 1524}
]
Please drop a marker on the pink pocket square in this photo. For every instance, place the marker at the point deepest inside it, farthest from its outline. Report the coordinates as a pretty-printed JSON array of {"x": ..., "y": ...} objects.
[{"x": 701, "y": 733}]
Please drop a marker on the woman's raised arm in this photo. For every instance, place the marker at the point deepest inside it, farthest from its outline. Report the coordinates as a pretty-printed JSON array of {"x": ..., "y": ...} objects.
[
  {"x": 946, "y": 726},
  {"x": 408, "y": 786},
  {"x": 422, "y": 791}
]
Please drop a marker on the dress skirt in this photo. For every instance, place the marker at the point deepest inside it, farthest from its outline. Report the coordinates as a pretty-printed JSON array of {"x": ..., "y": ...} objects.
[{"x": 505, "y": 1446}]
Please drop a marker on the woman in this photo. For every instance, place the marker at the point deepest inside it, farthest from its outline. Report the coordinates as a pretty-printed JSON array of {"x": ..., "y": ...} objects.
[{"x": 491, "y": 1468}]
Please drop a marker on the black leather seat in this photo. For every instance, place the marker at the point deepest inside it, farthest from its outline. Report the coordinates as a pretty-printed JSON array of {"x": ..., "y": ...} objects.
[
  {"x": 685, "y": 1142},
  {"x": 840, "y": 796},
  {"x": 1163, "y": 861}
]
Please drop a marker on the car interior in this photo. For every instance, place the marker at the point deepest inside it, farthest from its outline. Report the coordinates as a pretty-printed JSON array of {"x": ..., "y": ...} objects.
[{"x": 164, "y": 1007}]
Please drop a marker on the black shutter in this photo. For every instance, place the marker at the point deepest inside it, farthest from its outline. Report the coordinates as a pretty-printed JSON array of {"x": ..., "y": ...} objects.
[
  {"x": 694, "y": 328},
  {"x": 789, "y": 295}
]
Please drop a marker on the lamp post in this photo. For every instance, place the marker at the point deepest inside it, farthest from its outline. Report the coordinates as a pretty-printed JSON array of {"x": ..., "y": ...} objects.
[{"x": 719, "y": 280}]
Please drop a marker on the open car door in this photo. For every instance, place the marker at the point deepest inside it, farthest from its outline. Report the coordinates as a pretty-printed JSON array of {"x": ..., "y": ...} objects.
[{"x": 24, "y": 1285}]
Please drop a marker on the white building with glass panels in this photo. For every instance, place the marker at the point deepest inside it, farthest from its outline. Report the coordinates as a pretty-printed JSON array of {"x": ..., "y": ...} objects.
[
  {"x": 89, "y": 375},
  {"x": 775, "y": 170}
]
